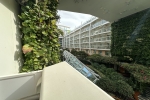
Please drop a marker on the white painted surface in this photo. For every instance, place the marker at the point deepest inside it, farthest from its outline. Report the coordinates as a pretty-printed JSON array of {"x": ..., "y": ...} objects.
[
  {"x": 110, "y": 10},
  {"x": 62, "y": 82},
  {"x": 18, "y": 86},
  {"x": 10, "y": 45}
]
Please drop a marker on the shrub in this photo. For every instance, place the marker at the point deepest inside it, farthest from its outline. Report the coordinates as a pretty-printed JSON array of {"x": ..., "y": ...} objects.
[
  {"x": 139, "y": 72},
  {"x": 109, "y": 71},
  {"x": 96, "y": 65},
  {"x": 116, "y": 86},
  {"x": 124, "y": 89},
  {"x": 106, "y": 84},
  {"x": 113, "y": 81},
  {"x": 74, "y": 52},
  {"x": 100, "y": 59},
  {"x": 79, "y": 54},
  {"x": 116, "y": 76}
]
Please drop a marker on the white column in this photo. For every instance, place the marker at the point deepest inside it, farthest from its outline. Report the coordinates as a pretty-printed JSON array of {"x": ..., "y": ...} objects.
[
  {"x": 69, "y": 41},
  {"x": 80, "y": 39},
  {"x": 10, "y": 41},
  {"x": 73, "y": 41},
  {"x": 90, "y": 37},
  {"x": 66, "y": 41}
]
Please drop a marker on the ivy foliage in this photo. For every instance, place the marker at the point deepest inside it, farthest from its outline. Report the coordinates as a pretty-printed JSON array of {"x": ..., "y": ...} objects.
[
  {"x": 131, "y": 38},
  {"x": 40, "y": 34}
]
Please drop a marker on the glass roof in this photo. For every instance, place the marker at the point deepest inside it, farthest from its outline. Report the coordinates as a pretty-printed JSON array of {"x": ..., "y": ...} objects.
[{"x": 78, "y": 65}]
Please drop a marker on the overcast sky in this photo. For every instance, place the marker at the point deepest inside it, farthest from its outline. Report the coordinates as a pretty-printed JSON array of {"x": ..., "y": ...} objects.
[{"x": 72, "y": 19}]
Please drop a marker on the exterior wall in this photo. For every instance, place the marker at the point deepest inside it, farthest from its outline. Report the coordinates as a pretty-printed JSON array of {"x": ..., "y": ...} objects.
[
  {"x": 103, "y": 53},
  {"x": 10, "y": 45},
  {"x": 66, "y": 30},
  {"x": 100, "y": 52},
  {"x": 93, "y": 37}
]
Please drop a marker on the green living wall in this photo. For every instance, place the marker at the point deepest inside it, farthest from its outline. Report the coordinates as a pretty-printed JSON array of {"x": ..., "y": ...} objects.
[
  {"x": 39, "y": 34},
  {"x": 131, "y": 38}
]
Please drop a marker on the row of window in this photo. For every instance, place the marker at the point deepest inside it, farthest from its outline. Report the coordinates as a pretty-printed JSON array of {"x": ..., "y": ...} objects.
[{"x": 103, "y": 53}]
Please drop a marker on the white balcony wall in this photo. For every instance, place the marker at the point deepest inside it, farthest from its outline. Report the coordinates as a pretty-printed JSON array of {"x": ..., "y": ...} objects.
[
  {"x": 10, "y": 44},
  {"x": 15, "y": 87},
  {"x": 62, "y": 82}
]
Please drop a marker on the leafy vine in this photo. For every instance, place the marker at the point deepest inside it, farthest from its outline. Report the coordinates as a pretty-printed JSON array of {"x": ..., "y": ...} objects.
[{"x": 40, "y": 34}]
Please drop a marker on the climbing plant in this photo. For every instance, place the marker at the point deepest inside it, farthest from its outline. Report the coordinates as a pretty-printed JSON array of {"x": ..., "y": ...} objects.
[
  {"x": 131, "y": 38},
  {"x": 40, "y": 34}
]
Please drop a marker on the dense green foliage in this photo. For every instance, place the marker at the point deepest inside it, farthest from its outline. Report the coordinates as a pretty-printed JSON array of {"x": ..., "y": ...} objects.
[
  {"x": 79, "y": 54},
  {"x": 40, "y": 34},
  {"x": 96, "y": 71},
  {"x": 74, "y": 52},
  {"x": 101, "y": 59},
  {"x": 139, "y": 72},
  {"x": 131, "y": 38},
  {"x": 107, "y": 84},
  {"x": 113, "y": 82}
]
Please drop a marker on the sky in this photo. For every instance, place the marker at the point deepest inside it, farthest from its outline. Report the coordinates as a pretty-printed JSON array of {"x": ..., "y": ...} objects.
[{"x": 72, "y": 19}]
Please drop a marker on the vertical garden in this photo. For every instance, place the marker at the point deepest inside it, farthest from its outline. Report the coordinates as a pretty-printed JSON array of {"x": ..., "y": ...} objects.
[
  {"x": 131, "y": 38},
  {"x": 39, "y": 34}
]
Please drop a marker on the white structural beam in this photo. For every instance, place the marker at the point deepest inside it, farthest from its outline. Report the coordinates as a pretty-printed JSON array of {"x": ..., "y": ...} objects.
[
  {"x": 110, "y": 10},
  {"x": 62, "y": 82}
]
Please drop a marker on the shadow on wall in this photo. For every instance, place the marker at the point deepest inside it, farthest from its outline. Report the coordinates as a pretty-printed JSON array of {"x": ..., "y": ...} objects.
[
  {"x": 14, "y": 7},
  {"x": 22, "y": 90},
  {"x": 18, "y": 53},
  {"x": 7, "y": 4},
  {"x": 22, "y": 85}
]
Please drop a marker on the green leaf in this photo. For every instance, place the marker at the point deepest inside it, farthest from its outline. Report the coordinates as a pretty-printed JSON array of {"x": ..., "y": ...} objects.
[
  {"x": 40, "y": 67},
  {"x": 53, "y": 22},
  {"x": 36, "y": 60},
  {"x": 41, "y": 20},
  {"x": 44, "y": 33},
  {"x": 38, "y": 25}
]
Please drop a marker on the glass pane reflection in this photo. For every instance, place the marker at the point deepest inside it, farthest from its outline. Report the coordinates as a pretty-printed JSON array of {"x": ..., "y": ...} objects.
[{"x": 78, "y": 65}]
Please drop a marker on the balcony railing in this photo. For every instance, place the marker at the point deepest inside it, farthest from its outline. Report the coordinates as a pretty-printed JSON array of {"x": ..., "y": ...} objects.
[
  {"x": 101, "y": 23},
  {"x": 103, "y": 39},
  {"x": 84, "y": 36},
  {"x": 85, "y": 46},
  {"x": 76, "y": 38},
  {"x": 76, "y": 43},
  {"x": 100, "y": 47},
  {"x": 101, "y": 31}
]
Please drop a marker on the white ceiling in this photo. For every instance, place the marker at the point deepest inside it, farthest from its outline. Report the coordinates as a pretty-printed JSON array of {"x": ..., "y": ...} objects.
[{"x": 110, "y": 10}]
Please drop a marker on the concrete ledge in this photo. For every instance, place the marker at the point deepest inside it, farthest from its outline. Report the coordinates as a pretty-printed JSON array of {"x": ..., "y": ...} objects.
[{"x": 62, "y": 82}]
